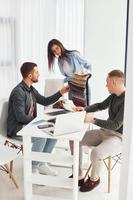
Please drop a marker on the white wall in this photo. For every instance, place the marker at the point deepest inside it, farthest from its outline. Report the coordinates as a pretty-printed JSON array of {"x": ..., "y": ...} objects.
[{"x": 105, "y": 28}]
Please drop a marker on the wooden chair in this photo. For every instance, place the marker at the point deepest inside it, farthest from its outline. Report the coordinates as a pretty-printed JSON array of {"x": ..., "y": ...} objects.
[
  {"x": 7, "y": 155},
  {"x": 52, "y": 86},
  {"x": 3, "y": 131},
  {"x": 110, "y": 162},
  {"x": 3, "y": 126}
]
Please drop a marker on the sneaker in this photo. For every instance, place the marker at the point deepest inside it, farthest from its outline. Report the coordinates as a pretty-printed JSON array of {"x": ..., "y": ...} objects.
[
  {"x": 46, "y": 170},
  {"x": 35, "y": 171},
  {"x": 89, "y": 185}
]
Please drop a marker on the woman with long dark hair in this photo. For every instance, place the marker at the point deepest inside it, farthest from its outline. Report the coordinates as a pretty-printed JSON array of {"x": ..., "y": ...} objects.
[{"x": 69, "y": 61}]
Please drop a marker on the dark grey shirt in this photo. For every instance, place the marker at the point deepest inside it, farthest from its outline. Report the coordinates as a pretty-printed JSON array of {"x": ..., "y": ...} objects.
[
  {"x": 19, "y": 106},
  {"x": 115, "y": 105}
]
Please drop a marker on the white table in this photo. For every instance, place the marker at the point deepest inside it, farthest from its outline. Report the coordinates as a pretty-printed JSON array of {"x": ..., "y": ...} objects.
[{"x": 30, "y": 131}]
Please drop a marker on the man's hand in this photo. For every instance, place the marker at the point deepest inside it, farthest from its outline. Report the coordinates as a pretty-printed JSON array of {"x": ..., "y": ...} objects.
[
  {"x": 77, "y": 108},
  {"x": 89, "y": 118},
  {"x": 65, "y": 89}
]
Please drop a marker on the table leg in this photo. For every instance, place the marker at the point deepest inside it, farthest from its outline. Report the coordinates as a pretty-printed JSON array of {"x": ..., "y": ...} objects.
[
  {"x": 27, "y": 168},
  {"x": 75, "y": 169}
]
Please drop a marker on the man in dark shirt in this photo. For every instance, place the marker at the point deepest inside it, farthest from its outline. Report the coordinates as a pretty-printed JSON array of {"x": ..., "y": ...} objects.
[
  {"x": 108, "y": 139},
  {"x": 22, "y": 109}
]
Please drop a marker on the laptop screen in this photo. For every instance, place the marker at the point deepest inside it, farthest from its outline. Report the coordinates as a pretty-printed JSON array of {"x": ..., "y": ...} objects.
[
  {"x": 69, "y": 123},
  {"x": 64, "y": 124}
]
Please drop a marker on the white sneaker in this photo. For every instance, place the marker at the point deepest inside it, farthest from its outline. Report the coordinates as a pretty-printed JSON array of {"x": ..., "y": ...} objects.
[
  {"x": 35, "y": 171},
  {"x": 45, "y": 169}
]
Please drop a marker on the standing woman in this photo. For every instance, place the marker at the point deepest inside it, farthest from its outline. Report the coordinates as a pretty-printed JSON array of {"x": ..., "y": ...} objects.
[{"x": 69, "y": 61}]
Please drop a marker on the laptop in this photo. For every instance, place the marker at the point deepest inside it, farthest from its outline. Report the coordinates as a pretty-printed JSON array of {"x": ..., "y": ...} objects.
[{"x": 66, "y": 124}]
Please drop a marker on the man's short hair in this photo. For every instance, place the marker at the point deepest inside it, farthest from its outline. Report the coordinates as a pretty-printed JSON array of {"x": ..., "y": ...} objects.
[
  {"x": 116, "y": 73},
  {"x": 27, "y": 68}
]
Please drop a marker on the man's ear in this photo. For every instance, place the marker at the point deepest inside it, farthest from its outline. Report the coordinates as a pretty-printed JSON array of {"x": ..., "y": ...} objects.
[{"x": 29, "y": 76}]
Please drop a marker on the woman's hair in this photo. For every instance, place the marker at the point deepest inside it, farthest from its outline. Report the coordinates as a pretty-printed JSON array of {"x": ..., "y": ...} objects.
[
  {"x": 27, "y": 68},
  {"x": 50, "y": 54}
]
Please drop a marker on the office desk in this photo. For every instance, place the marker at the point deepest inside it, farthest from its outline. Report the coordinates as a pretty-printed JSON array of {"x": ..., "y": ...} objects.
[{"x": 30, "y": 131}]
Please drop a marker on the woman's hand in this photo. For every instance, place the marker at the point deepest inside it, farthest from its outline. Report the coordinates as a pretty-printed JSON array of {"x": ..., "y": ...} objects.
[
  {"x": 77, "y": 108},
  {"x": 65, "y": 89}
]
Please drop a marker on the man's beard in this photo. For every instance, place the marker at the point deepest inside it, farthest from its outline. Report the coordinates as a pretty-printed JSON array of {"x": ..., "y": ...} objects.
[{"x": 34, "y": 80}]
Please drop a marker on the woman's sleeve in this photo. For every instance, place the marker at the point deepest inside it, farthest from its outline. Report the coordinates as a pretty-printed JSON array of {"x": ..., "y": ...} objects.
[{"x": 83, "y": 62}]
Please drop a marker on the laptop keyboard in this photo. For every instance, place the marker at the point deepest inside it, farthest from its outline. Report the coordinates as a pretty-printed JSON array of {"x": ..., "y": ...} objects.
[{"x": 58, "y": 112}]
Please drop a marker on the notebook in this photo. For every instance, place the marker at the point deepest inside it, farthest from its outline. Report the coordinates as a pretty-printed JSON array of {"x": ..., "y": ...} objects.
[{"x": 66, "y": 124}]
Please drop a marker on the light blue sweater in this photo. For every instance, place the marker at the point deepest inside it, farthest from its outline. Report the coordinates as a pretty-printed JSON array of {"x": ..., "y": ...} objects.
[{"x": 76, "y": 64}]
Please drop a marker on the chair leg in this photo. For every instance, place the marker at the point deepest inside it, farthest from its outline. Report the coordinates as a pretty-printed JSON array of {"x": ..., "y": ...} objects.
[
  {"x": 21, "y": 148},
  {"x": 11, "y": 175},
  {"x": 11, "y": 167},
  {"x": 109, "y": 174},
  {"x": 88, "y": 170}
]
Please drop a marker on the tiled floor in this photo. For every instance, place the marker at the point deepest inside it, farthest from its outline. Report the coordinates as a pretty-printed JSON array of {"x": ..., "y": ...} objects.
[{"x": 8, "y": 191}]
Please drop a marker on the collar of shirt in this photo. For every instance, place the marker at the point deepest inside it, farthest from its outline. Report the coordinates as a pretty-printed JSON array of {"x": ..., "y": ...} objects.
[{"x": 29, "y": 89}]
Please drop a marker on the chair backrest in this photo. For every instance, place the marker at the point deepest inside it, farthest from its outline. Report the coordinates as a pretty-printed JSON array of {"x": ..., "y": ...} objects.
[
  {"x": 7, "y": 155},
  {"x": 52, "y": 86},
  {"x": 3, "y": 116}
]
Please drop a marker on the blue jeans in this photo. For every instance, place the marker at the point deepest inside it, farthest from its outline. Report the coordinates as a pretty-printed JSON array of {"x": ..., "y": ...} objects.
[{"x": 40, "y": 145}]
